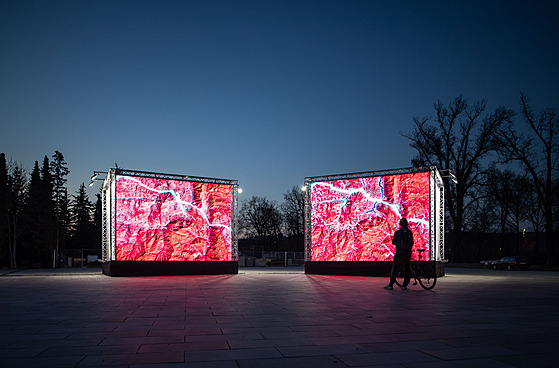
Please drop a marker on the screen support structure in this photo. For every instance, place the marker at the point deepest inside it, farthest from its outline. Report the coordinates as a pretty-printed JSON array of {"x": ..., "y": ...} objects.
[
  {"x": 109, "y": 206},
  {"x": 436, "y": 205},
  {"x": 436, "y": 214}
]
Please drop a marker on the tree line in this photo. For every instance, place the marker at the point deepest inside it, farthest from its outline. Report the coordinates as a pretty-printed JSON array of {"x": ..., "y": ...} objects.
[
  {"x": 505, "y": 162},
  {"x": 505, "y": 165},
  {"x": 265, "y": 225},
  {"x": 38, "y": 219}
]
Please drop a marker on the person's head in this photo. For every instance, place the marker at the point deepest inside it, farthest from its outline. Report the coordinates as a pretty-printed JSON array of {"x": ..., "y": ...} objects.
[{"x": 403, "y": 222}]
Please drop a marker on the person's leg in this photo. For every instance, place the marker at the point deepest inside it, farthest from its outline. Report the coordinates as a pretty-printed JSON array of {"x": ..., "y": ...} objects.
[
  {"x": 395, "y": 268},
  {"x": 407, "y": 272}
]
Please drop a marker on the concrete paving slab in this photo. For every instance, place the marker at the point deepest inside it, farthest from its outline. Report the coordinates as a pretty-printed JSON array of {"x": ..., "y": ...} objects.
[{"x": 277, "y": 318}]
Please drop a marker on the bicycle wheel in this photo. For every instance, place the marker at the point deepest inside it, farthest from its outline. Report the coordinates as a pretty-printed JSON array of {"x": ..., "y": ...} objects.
[
  {"x": 400, "y": 275},
  {"x": 427, "y": 275}
]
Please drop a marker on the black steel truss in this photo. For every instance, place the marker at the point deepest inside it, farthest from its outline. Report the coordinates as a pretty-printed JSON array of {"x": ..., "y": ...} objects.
[
  {"x": 148, "y": 174},
  {"x": 409, "y": 170}
]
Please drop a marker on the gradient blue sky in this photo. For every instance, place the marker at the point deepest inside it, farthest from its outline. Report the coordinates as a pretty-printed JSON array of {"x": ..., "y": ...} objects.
[{"x": 265, "y": 92}]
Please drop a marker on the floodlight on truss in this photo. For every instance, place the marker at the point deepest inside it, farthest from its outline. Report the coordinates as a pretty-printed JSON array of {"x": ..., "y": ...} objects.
[
  {"x": 95, "y": 177},
  {"x": 450, "y": 175}
]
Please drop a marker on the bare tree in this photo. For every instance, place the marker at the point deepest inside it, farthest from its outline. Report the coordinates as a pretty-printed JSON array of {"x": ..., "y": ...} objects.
[
  {"x": 555, "y": 204},
  {"x": 535, "y": 214},
  {"x": 485, "y": 214},
  {"x": 293, "y": 209},
  {"x": 519, "y": 205},
  {"x": 261, "y": 219},
  {"x": 458, "y": 138},
  {"x": 509, "y": 194},
  {"x": 536, "y": 147},
  {"x": 501, "y": 190}
]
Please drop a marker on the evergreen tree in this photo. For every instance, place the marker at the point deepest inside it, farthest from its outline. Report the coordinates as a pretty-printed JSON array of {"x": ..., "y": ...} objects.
[
  {"x": 81, "y": 229},
  {"x": 59, "y": 171},
  {"x": 47, "y": 210},
  {"x": 30, "y": 223},
  {"x": 37, "y": 225},
  {"x": 16, "y": 198},
  {"x": 98, "y": 222},
  {"x": 4, "y": 240}
]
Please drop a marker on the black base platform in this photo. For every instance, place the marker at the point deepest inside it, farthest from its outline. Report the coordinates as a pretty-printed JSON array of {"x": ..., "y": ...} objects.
[
  {"x": 169, "y": 268},
  {"x": 356, "y": 268}
]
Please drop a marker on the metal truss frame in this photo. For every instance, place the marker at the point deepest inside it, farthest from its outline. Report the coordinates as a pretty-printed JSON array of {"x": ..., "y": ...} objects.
[
  {"x": 104, "y": 227},
  {"x": 367, "y": 174},
  {"x": 436, "y": 204},
  {"x": 441, "y": 224},
  {"x": 148, "y": 174},
  {"x": 109, "y": 206},
  {"x": 436, "y": 214},
  {"x": 307, "y": 220},
  {"x": 235, "y": 222},
  {"x": 109, "y": 217}
]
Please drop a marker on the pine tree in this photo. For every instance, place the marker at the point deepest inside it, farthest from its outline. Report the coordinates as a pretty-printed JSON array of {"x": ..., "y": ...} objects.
[
  {"x": 37, "y": 221},
  {"x": 4, "y": 240},
  {"x": 17, "y": 196},
  {"x": 81, "y": 220},
  {"x": 47, "y": 206},
  {"x": 98, "y": 222},
  {"x": 59, "y": 171},
  {"x": 30, "y": 223}
]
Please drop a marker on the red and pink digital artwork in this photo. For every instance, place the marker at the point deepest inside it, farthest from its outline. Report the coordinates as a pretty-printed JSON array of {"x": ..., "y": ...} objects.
[
  {"x": 172, "y": 220},
  {"x": 355, "y": 219}
]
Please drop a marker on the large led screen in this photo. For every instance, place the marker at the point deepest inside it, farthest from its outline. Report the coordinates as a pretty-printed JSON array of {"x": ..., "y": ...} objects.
[
  {"x": 355, "y": 219},
  {"x": 172, "y": 220}
]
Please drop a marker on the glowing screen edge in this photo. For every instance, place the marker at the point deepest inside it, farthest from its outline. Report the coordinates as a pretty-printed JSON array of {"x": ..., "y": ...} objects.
[
  {"x": 172, "y": 220},
  {"x": 355, "y": 219}
]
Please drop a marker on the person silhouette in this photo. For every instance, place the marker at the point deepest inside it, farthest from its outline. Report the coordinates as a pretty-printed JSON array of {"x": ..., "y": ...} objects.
[{"x": 403, "y": 240}]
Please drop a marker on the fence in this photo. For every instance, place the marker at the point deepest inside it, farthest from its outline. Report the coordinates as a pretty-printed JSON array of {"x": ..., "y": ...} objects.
[
  {"x": 80, "y": 258},
  {"x": 273, "y": 259}
]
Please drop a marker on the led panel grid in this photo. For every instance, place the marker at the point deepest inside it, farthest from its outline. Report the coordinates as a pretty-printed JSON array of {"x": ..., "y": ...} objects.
[
  {"x": 154, "y": 218},
  {"x": 354, "y": 219}
]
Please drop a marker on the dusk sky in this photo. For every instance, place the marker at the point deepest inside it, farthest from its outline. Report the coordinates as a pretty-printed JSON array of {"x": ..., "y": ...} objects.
[{"x": 265, "y": 92}]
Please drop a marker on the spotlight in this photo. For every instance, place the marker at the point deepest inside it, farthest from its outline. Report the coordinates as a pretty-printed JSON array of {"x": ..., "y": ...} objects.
[
  {"x": 239, "y": 190},
  {"x": 450, "y": 175},
  {"x": 95, "y": 176}
]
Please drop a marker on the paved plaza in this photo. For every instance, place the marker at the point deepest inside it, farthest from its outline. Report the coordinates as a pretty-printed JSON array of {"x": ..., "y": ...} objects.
[{"x": 278, "y": 318}]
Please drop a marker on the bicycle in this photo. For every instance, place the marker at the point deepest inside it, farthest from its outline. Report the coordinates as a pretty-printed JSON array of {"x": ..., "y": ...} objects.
[{"x": 422, "y": 272}]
